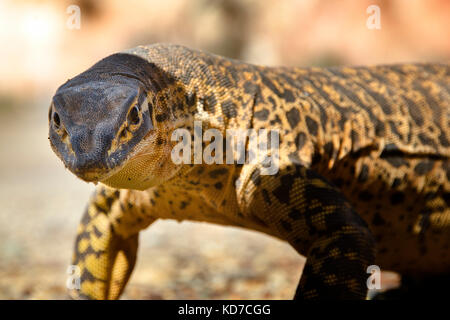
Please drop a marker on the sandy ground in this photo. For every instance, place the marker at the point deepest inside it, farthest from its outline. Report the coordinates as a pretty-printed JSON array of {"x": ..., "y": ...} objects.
[{"x": 42, "y": 202}]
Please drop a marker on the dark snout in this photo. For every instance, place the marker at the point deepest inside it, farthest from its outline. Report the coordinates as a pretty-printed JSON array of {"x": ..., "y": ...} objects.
[{"x": 91, "y": 151}]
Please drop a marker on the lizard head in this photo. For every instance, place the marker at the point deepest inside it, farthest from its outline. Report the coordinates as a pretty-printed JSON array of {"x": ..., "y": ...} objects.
[{"x": 102, "y": 123}]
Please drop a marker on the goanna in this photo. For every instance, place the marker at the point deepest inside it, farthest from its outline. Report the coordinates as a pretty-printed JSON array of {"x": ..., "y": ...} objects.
[{"x": 363, "y": 172}]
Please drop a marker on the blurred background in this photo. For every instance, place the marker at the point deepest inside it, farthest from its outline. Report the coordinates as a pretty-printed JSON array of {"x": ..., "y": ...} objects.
[{"x": 41, "y": 202}]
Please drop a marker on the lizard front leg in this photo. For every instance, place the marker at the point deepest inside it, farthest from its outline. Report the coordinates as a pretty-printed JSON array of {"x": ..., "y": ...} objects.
[
  {"x": 106, "y": 244},
  {"x": 316, "y": 219}
]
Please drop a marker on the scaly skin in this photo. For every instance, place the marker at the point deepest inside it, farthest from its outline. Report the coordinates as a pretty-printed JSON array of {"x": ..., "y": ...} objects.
[{"x": 363, "y": 175}]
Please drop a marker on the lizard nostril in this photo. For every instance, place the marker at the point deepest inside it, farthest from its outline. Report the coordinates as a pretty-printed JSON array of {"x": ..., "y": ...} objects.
[{"x": 56, "y": 120}]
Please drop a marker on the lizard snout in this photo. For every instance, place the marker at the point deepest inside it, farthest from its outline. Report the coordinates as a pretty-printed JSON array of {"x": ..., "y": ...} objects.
[{"x": 90, "y": 147}]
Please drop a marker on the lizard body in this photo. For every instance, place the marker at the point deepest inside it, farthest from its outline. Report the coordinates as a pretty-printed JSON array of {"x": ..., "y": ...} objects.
[{"x": 364, "y": 162}]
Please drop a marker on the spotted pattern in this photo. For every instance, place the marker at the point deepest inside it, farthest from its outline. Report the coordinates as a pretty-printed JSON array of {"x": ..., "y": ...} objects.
[{"x": 363, "y": 178}]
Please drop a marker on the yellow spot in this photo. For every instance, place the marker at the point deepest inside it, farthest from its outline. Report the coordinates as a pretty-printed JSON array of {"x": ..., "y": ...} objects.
[
  {"x": 119, "y": 275},
  {"x": 331, "y": 279},
  {"x": 92, "y": 210},
  {"x": 95, "y": 289},
  {"x": 335, "y": 252},
  {"x": 83, "y": 245},
  {"x": 101, "y": 202},
  {"x": 351, "y": 255},
  {"x": 98, "y": 266}
]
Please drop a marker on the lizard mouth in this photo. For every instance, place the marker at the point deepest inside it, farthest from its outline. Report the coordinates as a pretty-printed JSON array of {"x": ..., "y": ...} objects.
[
  {"x": 113, "y": 165},
  {"x": 97, "y": 174},
  {"x": 91, "y": 175},
  {"x": 94, "y": 167}
]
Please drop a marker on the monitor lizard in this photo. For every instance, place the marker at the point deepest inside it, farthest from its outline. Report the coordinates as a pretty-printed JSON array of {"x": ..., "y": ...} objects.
[{"x": 363, "y": 175}]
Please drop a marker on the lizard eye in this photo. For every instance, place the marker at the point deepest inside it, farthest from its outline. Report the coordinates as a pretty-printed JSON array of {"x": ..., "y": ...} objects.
[{"x": 133, "y": 115}]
